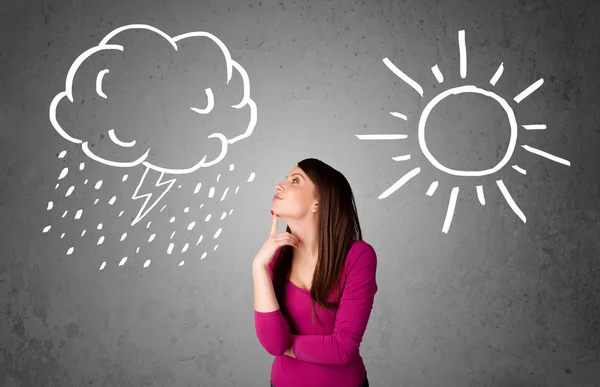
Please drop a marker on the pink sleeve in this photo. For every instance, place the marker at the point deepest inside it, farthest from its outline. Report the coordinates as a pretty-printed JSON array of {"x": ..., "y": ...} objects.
[
  {"x": 352, "y": 316},
  {"x": 272, "y": 329}
]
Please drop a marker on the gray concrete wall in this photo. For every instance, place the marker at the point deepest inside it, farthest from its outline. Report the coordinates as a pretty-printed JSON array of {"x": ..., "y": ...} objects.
[{"x": 493, "y": 301}]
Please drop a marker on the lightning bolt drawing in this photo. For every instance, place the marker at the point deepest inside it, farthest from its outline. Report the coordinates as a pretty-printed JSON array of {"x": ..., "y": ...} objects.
[{"x": 135, "y": 196}]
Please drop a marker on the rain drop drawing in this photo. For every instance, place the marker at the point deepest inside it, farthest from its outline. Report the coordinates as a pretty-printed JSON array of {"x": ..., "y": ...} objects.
[
  {"x": 432, "y": 159},
  {"x": 129, "y": 146}
]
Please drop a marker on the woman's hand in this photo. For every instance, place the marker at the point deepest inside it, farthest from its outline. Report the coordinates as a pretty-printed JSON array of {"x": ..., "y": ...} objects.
[{"x": 274, "y": 242}]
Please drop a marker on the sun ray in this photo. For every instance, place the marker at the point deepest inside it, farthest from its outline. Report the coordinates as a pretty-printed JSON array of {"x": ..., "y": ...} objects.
[
  {"x": 480, "y": 195},
  {"x": 403, "y": 76},
  {"x": 525, "y": 93},
  {"x": 400, "y": 183},
  {"x": 497, "y": 74},
  {"x": 399, "y": 115},
  {"x": 463, "y": 53},
  {"x": 401, "y": 158},
  {"x": 547, "y": 155},
  {"x": 519, "y": 169},
  {"x": 432, "y": 188},
  {"x": 381, "y": 136},
  {"x": 510, "y": 201},
  {"x": 450, "y": 211},
  {"x": 534, "y": 127},
  {"x": 437, "y": 73}
]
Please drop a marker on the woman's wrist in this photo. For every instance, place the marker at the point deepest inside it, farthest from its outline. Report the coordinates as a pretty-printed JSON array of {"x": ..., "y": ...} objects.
[{"x": 259, "y": 266}]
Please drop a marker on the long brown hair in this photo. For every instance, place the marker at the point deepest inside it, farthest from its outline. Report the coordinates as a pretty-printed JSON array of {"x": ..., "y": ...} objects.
[{"x": 338, "y": 226}]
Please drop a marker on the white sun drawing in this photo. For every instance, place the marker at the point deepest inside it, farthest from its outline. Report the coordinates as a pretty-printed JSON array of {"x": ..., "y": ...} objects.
[{"x": 423, "y": 145}]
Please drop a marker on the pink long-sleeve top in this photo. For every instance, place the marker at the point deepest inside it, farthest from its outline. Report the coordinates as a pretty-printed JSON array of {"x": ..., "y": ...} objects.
[{"x": 327, "y": 354}]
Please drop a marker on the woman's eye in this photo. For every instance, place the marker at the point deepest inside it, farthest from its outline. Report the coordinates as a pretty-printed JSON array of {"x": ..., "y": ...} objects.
[{"x": 294, "y": 180}]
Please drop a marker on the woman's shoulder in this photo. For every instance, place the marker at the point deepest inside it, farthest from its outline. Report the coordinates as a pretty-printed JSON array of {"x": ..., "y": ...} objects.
[
  {"x": 359, "y": 247},
  {"x": 359, "y": 250}
]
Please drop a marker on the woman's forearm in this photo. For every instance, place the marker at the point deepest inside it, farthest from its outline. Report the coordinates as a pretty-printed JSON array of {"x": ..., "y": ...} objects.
[{"x": 264, "y": 294}]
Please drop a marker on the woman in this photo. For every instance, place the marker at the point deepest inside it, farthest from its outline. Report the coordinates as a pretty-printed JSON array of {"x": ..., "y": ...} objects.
[{"x": 321, "y": 259}]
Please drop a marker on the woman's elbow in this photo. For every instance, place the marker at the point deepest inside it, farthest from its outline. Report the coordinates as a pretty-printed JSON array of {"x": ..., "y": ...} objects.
[
  {"x": 275, "y": 348},
  {"x": 348, "y": 354},
  {"x": 276, "y": 351}
]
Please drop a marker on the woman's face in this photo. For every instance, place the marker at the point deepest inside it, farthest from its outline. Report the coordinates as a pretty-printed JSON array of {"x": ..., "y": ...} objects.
[{"x": 297, "y": 193}]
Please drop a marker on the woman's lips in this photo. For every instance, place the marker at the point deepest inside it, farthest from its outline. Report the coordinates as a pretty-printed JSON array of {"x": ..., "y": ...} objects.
[{"x": 276, "y": 198}]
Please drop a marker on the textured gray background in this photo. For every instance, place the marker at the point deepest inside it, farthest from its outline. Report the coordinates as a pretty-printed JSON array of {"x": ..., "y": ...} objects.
[{"x": 495, "y": 302}]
